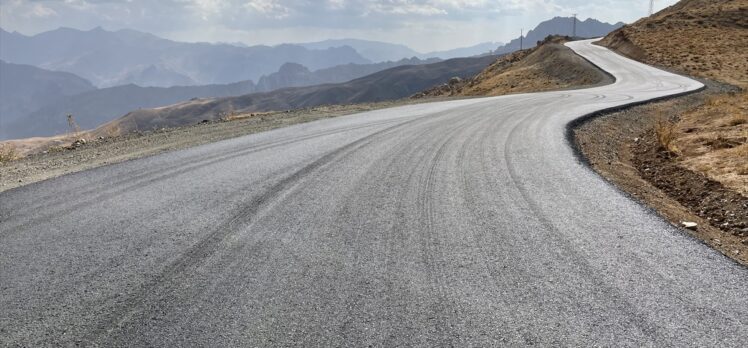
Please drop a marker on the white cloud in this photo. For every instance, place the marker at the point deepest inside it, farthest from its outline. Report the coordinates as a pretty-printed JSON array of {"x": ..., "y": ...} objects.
[
  {"x": 268, "y": 8},
  {"x": 41, "y": 11},
  {"x": 424, "y": 24}
]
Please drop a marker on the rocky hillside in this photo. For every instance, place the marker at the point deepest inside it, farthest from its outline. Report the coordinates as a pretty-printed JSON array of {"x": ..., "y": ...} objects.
[
  {"x": 549, "y": 66},
  {"x": 705, "y": 38}
]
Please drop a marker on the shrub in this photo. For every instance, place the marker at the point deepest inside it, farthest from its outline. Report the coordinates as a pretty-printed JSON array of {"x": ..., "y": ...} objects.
[
  {"x": 665, "y": 131},
  {"x": 7, "y": 153}
]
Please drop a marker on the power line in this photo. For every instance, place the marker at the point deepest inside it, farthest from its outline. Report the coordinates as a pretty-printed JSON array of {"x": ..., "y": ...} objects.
[
  {"x": 651, "y": 7},
  {"x": 521, "y": 38},
  {"x": 574, "y": 25}
]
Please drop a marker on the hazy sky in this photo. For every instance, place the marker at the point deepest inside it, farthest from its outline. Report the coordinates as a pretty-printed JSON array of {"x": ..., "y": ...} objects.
[{"x": 424, "y": 25}]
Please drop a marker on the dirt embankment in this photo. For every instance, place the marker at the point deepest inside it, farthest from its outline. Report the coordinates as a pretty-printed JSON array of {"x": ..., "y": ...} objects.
[
  {"x": 687, "y": 157},
  {"x": 624, "y": 148},
  {"x": 548, "y": 66}
]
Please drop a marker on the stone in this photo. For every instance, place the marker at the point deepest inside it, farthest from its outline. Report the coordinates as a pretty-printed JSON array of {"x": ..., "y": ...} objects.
[{"x": 689, "y": 225}]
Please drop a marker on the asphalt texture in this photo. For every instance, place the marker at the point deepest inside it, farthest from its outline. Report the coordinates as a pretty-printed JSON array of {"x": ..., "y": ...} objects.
[{"x": 461, "y": 223}]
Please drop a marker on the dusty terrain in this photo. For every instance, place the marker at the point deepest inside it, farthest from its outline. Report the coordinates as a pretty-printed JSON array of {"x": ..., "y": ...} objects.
[
  {"x": 549, "y": 66},
  {"x": 27, "y": 161},
  {"x": 688, "y": 157}
]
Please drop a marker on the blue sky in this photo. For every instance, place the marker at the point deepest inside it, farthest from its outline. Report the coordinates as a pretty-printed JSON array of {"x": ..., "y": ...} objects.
[{"x": 424, "y": 25}]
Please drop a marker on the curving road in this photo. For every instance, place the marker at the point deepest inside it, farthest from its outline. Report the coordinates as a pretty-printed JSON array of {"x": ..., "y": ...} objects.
[{"x": 461, "y": 223}]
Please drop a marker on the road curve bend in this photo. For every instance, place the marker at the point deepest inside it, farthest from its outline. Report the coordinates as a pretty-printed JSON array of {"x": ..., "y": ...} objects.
[{"x": 460, "y": 223}]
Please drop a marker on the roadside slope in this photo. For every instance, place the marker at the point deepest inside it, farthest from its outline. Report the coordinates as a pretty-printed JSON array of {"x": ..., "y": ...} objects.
[{"x": 688, "y": 157}]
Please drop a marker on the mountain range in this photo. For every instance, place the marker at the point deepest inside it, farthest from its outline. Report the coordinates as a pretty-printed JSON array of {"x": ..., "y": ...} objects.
[
  {"x": 111, "y": 58},
  {"x": 390, "y": 84},
  {"x": 382, "y": 51},
  {"x": 42, "y": 112}
]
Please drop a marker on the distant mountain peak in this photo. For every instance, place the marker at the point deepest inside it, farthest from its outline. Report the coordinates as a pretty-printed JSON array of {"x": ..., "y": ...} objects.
[
  {"x": 293, "y": 68},
  {"x": 559, "y": 25}
]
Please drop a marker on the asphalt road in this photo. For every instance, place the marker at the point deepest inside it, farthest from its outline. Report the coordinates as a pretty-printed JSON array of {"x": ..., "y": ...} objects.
[{"x": 463, "y": 223}]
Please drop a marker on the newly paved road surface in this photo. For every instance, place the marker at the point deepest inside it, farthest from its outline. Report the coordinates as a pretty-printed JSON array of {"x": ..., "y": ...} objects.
[{"x": 464, "y": 223}]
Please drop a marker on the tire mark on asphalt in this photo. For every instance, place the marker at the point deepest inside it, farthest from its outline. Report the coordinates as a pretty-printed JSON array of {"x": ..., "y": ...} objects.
[
  {"x": 431, "y": 244},
  {"x": 177, "y": 169},
  {"x": 646, "y": 327},
  {"x": 148, "y": 297}
]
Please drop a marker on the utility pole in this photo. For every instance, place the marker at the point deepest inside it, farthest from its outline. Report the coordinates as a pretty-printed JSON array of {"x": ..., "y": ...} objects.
[
  {"x": 651, "y": 7},
  {"x": 574, "y": 25},
  {"x": 521, "y": 38}
]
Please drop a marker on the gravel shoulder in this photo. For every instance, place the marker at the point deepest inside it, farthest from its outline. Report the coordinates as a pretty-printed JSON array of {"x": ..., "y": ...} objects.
[
  {"x": 64, "y": 159},
  {"x": 623, "y": 147}
]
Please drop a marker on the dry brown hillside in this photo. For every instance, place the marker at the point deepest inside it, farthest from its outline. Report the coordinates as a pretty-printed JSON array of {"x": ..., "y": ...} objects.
[
  {"x": 548, "y": 66},
  {"x": 709, "y": 39},
  {"x": 705, "y": 38}
]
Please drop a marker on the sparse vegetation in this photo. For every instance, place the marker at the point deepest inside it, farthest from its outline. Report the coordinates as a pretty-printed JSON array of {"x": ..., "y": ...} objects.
[
  {"x": 737, "y": 120},
  {"x": 704, "y": 38},
  {"x": 666, "y": 133},
  {"x": 8, "y": 153}
]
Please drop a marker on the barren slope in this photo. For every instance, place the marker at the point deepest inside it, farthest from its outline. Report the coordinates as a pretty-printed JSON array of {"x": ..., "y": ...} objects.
[
  {"x": 549, "y": 66},
  {"x": 705, "y": 38}
]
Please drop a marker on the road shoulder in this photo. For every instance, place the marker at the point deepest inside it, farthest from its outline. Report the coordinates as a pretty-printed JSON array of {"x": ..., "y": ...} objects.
[{"x": 623, "y": 147}]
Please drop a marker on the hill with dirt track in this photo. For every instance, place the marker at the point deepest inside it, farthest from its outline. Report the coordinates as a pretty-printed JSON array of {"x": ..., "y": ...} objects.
[
  {"x": 548, "y": 66},
  {"x": 704, "y": 38}
]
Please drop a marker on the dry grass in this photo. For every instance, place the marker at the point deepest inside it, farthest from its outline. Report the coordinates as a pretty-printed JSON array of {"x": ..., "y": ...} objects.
[
  {"x": 8, "y": 153},
  {"x": 737, "y": 120},
  {"x": 665, "y": 129},
  {"x": 716, "y": 140}
]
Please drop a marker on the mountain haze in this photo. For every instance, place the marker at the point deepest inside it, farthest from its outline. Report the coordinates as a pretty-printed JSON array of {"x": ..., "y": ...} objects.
[
  {"x": 395, "y": 83},
  {"x": 373, "y": 50},
  {"x": 111, "y": 58},
  {"x": 479, "y": 49},
  {"x": 382, "y": 51},
  {"x": 24, "y": 87},
  {"x": 95, "y": 107}
]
